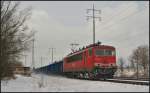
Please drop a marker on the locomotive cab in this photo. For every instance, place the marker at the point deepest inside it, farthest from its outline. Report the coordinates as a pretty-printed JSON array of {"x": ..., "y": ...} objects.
[
  {"x": 104, "y": 61},
  {"x": 104, "y": 57}
]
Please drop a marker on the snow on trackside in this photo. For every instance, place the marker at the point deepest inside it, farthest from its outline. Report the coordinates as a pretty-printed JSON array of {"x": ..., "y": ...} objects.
[{"x": 63, "y": 84}]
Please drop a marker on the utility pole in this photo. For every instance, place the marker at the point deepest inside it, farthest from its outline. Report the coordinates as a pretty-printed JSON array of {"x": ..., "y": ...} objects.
[
  {"x": 41, "y": 61},
  {"x": 137, "y": 69},
  {"x": 72, "y": 46},
  {"x": 93, "y": 17},
  {"x": 42, "y": 78},
  {"x": 33, "y": 53},
  {"x": 52, "y": 53},
  {"x": 25, "y": 59}
]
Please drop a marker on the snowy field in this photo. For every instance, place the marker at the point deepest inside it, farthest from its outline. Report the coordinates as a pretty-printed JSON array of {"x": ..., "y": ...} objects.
[{"x": 62, "y": 84}]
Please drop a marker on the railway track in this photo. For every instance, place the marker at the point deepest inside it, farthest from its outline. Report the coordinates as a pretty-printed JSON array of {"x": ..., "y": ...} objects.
[
  {"x": 136, "y": 82},
  {"x": 125, "y": 81},
  {"x": 132, "y": 78},
  {"x": 117, "y": 80}
]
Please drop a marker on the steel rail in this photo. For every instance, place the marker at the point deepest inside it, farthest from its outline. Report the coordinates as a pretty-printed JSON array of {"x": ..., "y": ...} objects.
[{"x": 135, "y": 82}]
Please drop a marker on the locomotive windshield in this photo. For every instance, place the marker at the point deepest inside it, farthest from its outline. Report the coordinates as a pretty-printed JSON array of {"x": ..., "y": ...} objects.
[{"x": 105, "y": 52}]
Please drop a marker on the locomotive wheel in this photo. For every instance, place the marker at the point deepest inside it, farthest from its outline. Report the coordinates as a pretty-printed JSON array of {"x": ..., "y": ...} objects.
[
  {"x": 110, "y": 76},
  {"x": 86, "y": 75},
  {"x": 81, "y": 75},
  {"x": 91, "y": 76}
]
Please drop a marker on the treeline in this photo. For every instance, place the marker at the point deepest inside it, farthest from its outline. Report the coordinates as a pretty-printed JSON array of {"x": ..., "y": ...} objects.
[
  {"x": 14, "y": 38},
  {"x": 138, "y": 62}
]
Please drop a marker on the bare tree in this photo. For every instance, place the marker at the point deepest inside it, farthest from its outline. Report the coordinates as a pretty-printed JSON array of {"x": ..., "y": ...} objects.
[
  {"x": 13, "y": 36},
  {"x": 144, "y": 57},
  {"x": 132, "y": 63},
  {"x": 140, "y": 57}
]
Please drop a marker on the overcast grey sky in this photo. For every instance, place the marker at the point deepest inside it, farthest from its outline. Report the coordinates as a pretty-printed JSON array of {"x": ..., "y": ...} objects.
[{"x": 124, "y": 25}]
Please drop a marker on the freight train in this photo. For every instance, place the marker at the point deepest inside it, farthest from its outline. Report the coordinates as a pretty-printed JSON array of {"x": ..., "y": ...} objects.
[{"x": 93, "y": 61}]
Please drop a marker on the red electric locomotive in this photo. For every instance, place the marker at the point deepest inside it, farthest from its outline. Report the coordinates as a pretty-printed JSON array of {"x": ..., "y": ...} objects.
[{"x": 94, "y": 61}]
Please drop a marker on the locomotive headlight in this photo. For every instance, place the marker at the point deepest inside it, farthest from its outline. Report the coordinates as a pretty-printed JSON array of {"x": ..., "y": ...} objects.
[
  {"x": 96, "y": 64},
  {"x": 113, "y": 65}
]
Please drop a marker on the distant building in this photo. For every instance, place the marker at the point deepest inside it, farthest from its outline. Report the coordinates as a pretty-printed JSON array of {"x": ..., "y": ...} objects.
[{"x": 20, "y": 69}]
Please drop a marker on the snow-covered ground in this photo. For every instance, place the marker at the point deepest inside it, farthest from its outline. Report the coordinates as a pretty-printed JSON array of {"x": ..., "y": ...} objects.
[{"x": 63, "y": 84}]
